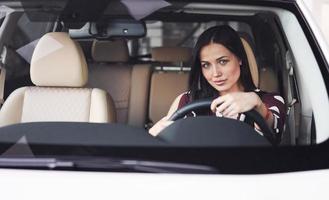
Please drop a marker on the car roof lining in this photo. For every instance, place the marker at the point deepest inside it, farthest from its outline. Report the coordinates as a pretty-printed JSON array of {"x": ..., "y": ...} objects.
[
  {"x": 68, "y": 14},
  {"x": 188, "y": 17}
]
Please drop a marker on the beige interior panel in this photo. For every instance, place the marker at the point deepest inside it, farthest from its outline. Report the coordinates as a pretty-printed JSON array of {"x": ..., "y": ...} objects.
[
  {"x": 58, "y": 61},
  {"x": 116, "y": 80},
  {"x": 268, "y": 80},
  {"x": 56, "y": 104},
  {"x": 100, "y": 107},
  {"x": 139, "y": 95},
  {"x": 171, "y": 54},
  {"x": 11, "y": 111},
  {"x": 110, "y": 51},
  {"x": 252, "y": 62},
  {"x": 165, "y": 87}
]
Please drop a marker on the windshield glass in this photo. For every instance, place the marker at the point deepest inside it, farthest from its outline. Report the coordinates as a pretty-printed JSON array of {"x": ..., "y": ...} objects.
[{"x": 158, "y": 87}]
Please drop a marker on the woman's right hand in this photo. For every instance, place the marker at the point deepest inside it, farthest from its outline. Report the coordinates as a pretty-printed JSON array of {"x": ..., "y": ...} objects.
[{"x": 160, "y": 125}]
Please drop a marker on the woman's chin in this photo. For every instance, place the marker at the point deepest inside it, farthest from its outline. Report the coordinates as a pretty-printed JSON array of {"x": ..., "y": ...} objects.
[
  {"x": 225, "y": 88},
  {"x": 220, "y": 87}
]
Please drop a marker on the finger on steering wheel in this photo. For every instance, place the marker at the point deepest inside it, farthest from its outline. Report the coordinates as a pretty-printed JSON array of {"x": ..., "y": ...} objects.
[
  {"x": 229, "y": 111},
  {"x": 222, "y": 107},
  {"x": 215, "y": 103}
]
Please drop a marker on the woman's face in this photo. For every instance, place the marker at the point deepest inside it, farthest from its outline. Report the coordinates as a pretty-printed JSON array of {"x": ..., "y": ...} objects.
[{"x": 221, "y": 68}]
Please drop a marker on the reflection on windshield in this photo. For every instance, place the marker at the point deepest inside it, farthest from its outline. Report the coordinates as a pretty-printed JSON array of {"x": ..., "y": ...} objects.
[
  {"x": 142, "y": 8},
  {"x": 85, "y": 163},
  {"x": 67, "y": 9},
  {"x": 20, "y": 148}
]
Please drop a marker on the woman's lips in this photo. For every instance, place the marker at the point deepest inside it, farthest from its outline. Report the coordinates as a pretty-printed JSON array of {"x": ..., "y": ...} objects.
[{"x": 220, "y": 82}]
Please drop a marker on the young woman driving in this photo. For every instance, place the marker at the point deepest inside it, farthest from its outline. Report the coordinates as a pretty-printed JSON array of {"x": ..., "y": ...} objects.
[{"x": 220, "y": 70}]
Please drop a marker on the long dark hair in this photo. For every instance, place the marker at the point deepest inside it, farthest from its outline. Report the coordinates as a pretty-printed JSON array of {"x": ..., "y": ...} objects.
[{"x": 226, "y": 36}]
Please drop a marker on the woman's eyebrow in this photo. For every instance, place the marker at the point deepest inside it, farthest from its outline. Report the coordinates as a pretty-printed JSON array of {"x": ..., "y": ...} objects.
[
  {"x": 216, "y": 59},
  {"x": 222, "y": 57}
]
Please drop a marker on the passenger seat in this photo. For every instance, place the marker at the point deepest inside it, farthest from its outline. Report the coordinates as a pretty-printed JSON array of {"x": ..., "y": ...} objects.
[{"x": 59, "y": 71}]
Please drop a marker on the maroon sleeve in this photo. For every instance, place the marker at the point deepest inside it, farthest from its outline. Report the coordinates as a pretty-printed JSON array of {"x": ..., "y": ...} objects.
[
  {"x": 275, "y": 103},
  {"x": 183, "y": 100}
]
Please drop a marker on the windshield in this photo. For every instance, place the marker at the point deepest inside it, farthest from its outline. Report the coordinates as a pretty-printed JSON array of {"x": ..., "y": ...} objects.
[{"x": 159, "y": 87}]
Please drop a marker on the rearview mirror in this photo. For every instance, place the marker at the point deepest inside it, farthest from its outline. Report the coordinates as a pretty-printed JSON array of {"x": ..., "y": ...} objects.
[
  {"x": 118, "y": 28},
  {"x": 111, "y": 29}
]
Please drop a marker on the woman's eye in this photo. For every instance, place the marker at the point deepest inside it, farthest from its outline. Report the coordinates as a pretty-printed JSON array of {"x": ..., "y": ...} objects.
[
  {"x": 223, "y": 62},
  {"x": 204, "y": 65}
]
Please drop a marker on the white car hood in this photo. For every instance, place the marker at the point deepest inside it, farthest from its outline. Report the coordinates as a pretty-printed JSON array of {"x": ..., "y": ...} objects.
[{"x": 42, "y": 184}]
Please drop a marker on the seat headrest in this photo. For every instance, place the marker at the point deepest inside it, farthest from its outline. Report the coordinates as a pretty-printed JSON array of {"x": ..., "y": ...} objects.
[
  {"x": 171, "y": 54},
  {"x": 58, "y": 61},
  {"x": 252, "y": 62},
  {"x": 110, "y": 51}
]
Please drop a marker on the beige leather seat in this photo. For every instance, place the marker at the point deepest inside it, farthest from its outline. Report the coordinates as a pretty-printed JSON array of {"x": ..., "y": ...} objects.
[
  {"x": 127, "y": 84},
  {"x": 167, "y": 85},
  {"x": 263, "y": 77},
  {"x": 59, "y": 70}
]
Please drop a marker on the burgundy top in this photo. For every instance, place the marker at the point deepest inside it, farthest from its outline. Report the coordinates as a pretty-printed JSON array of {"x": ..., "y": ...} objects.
[{"x": 273, "y": 101}]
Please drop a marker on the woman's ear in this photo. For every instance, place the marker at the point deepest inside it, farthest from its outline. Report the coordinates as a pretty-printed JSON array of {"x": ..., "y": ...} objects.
[{"x": 240, "y": 62}]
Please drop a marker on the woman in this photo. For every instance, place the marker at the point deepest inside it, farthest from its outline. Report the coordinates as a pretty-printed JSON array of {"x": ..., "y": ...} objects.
[{"x": 220, "y": 70}]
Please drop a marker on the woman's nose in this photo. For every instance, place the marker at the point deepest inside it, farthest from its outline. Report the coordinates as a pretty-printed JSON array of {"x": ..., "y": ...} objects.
[{"x": 216, "y": 71}]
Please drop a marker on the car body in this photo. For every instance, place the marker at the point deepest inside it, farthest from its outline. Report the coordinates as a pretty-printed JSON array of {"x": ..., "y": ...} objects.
[{"x": 97, "y": 160}]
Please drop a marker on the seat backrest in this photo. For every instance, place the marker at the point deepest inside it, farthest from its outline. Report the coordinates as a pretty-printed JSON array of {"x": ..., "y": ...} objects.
[
  {"x": 167, "y": 84},
  {"x": 59, "y": 71},
  {"x": 263, "y": 77},
  {"x": 128, "y": 84}
]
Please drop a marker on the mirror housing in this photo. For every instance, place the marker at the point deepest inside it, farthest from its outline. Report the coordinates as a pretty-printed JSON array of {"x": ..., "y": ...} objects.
[
  {"x": 110, "y": 29},
  {"x": 118, "y": 28}
]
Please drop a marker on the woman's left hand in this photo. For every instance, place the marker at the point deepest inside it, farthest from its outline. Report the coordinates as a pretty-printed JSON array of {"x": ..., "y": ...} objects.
[{"x": 230, "y": 105}]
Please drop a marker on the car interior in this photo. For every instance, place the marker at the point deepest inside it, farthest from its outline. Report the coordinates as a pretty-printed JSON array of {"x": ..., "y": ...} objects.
[{"x": 88, "y": 72}]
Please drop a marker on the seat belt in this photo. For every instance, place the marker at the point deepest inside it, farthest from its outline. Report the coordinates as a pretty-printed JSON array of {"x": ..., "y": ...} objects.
[
  {"x": 2, "y": 74},
  {"x": 290, "y": 105},
  {"x": 2, "y": 84},
  {"x": 293, "y": 99}
]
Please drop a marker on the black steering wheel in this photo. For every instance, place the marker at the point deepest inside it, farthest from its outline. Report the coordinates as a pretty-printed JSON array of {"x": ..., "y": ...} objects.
[{"x": 205, "y": 103}]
